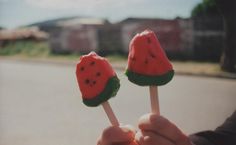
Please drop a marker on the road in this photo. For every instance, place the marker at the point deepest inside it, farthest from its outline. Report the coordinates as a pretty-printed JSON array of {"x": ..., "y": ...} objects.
[{"x": 40, "y": 104}]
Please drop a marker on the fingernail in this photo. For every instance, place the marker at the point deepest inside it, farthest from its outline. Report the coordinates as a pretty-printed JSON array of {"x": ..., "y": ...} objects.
[{"x": 128, "y": 128}]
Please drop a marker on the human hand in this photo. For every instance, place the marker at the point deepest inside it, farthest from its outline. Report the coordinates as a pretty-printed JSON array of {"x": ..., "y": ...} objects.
[
  {"x": 157, "y": 130},
  {"x": 114, "y": 135}
]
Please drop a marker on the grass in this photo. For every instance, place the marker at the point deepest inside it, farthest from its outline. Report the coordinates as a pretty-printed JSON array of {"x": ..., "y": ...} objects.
[
  {"x": 116, "y": 58},
  {"x": 191, "y": 67},
  {"x": 25, "y": 48},
  {"x": 41, "y": 50},
  {"x": 32, "y": 49}
]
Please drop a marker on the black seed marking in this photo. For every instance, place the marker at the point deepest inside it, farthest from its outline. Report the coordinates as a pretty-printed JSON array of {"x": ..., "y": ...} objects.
[
  {"x": 152, "y": 55},
  {"x": 87, "y": 81},
  {"x": 133, "y": 58},
  {"x": 146, "y": 61},
  {"x": 149, "y": 40},
  {"x": 82, "y": 68},
  {"x": 94, "y": 82},
  {"x": 98, "y": 74},
  {"x": 92, "y": 63}
]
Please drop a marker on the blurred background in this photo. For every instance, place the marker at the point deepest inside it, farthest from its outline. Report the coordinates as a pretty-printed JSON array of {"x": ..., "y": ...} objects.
[
  {"x": 41, "y": 41},
  {"x": 187, "y": 30}
]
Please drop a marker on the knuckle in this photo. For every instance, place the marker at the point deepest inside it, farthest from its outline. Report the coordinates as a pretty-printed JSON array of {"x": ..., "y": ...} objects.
[
  {"x": 107, "y": 133},
  {"x": 148, "y": 140},
  {"x": 159, "y": 122}
]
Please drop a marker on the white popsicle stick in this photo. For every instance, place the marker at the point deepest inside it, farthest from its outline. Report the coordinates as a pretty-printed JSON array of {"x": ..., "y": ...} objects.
[
  {"x": 106, "y": 106},
  {"x": 110, "y": 114},
  {"x": 154, "y": 99}
]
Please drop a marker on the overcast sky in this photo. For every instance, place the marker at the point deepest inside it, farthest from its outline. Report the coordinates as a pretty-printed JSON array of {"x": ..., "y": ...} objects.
[{"x": 14, "y": 13}]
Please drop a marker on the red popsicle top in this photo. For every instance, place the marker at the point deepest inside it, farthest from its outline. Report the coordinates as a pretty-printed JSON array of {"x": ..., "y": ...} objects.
[
  {"x": 146, "y": 55},
  {"x": 93, "y": 73},
  {"x": 147, "y": 61}
]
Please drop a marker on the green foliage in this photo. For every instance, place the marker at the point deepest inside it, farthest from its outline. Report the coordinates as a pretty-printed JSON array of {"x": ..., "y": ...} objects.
[
  {"x": 116, "y": 57},
  {"x": 34, "y": 49},
  {"x": 26, "y": 48},
  {"x": 207, "y": 7}
]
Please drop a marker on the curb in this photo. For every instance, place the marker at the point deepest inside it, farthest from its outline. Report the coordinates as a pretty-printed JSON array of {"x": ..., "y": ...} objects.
[{"x": 118, "y": 66}]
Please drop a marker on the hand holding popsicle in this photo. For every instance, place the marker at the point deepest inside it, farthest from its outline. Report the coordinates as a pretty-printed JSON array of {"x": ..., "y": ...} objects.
[
  {"x": 158, "y": 130},
  {"x": 123, "y": 135},
  {"x": 98, "y": 83},
  {"x": 148, "y": 65},
  {"x": 154, "y": 130}
]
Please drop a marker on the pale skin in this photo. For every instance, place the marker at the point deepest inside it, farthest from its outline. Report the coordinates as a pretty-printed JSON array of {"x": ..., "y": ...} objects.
[{"x": 153, "y": 130}]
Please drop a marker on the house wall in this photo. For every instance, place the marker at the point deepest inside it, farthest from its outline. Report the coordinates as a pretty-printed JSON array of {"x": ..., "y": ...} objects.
[
  {"x": 56, "y": 40},
  {"x": 76, "y": 39},
  {"x": 186, "y": 35},
  {"x": 208, "y": 38},
  {"x": 128, "y": 31},
  {"x": 82, "y": 39},
  {"x": 109, "y": 39},
  {"x": 175, "y": 36},
  {"x": 198, "y": 38}
]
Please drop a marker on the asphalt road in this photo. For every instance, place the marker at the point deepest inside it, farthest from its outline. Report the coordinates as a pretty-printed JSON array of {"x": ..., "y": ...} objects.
[{"x": 40, "y": 104}]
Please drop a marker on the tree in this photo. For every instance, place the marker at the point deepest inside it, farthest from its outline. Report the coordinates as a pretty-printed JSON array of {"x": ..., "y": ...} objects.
[
  {"x": 228, "y": 10},
  {"x": 207, "y": 7}
]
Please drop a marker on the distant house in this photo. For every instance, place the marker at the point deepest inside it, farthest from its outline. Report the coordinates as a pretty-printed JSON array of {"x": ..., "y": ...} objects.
[
  {"x": 175, "y": 35},
  {"x": 28, "y": 33},
  {"x": 110, "y": 40},
  {"x": 197, "y": 38},
  {"x": 79, "y": 35},
  {"x": 208, "y": 37},
  {"x": 82, "y": 35}
]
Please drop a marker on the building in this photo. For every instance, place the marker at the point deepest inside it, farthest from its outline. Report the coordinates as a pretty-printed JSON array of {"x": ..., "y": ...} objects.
[
  {"x": 208, "y": 37},
  {"x": 110, "y": 40},
  {"x": 175, "y": 35},
  {"x": 197, "y": 38},
  {"x": 82, "y": 35},
  {"x": 77, "y": 35},
  {"x": 28, "y": 33}
]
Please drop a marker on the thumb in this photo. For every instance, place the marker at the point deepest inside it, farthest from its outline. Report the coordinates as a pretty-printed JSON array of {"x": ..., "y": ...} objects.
[{"x": 117, "y": 134}]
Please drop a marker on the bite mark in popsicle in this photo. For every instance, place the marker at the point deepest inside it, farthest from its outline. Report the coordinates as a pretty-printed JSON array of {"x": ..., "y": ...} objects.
[
  {"x": 97, "y": 82},
  {"x": 148, "y": 65}
]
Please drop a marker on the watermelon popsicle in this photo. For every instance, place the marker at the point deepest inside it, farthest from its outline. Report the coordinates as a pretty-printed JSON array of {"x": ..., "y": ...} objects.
[
  {"x": 148, "y": 65},
  {"x": 97, "y": 82}
]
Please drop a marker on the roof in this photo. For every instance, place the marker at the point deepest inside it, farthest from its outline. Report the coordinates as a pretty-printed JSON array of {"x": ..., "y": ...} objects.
[
  {"x": 23, "y": 33},
  {"x": 81, "y": 21},
  {"x": 140, "y": 20}
]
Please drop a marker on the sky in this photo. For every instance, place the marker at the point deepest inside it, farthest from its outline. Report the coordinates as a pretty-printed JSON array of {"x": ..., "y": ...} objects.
[{"x": 15, "y": 13}]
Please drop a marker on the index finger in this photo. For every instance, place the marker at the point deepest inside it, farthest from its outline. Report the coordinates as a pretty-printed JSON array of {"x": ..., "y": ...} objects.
[
  {"x": 163, "y": 127},
  {"x": 116, "y": 135}
]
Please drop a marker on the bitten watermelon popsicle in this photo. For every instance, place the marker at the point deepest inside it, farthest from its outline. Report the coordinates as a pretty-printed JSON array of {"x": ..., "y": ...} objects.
[
  {"x": 148, "y": 65},
  {"x": 97, "y": 82}
]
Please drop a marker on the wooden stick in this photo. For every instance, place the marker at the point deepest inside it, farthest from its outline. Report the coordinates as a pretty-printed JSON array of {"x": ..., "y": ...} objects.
[
  {"x": 110, "y": 114},
  {"x": 154, "y": 99},
  {"x": 106, "y": 106}
]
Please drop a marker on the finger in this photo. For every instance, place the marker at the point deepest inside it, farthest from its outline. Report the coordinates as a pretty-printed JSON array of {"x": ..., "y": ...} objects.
[
  {"x": 126, "y": 143},
  {"x": 115, "y": 135},
  {"x": 151, "y": 138},
  {"x": 163, "y": 127}
]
